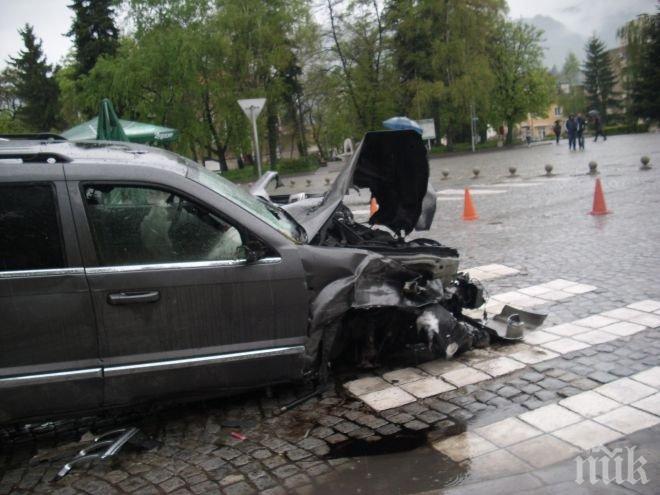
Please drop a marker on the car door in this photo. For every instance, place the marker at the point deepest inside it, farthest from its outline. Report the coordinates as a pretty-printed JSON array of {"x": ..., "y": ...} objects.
[
  {"x": 180, "y": 309},
  {"x": 49, "y": 361}
]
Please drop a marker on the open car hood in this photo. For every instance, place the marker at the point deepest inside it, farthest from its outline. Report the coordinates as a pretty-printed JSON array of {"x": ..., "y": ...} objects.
[{"x": 394, "y": 167}]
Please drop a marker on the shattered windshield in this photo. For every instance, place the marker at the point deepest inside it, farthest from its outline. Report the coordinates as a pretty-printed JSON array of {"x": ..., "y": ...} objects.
[{"x": 271, "y": 214}]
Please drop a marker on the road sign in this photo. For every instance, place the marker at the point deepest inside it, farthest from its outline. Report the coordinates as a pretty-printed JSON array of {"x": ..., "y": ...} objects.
[
  {"x": 252, "y": 108},
  {"x": 428, "y": 128}
]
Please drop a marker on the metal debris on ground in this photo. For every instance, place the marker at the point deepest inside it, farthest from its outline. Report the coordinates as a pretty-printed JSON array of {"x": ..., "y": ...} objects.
[{"x": 106, "y": 446}]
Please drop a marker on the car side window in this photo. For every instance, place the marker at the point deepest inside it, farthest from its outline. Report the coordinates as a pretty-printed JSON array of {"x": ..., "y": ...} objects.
[
  {"x": 30, "y": 237},
  {"x": 144, "y": 225}
]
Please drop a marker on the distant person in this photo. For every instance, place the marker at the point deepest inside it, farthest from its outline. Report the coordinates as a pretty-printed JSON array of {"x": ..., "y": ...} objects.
[
  {"x": 571, "y": 129},
  {"x": 557, "y": 130},
  {"x": 528, "y": 137},
  {"x": 598, "y": 126},
  {"x": 581, "y": 127}
]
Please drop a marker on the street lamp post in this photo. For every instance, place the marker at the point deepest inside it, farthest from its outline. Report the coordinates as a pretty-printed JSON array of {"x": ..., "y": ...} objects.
[
  {"x": 252, "y": 108},
  {"x": 255, "y": 136},
  {"x": 473, "y": 126}
]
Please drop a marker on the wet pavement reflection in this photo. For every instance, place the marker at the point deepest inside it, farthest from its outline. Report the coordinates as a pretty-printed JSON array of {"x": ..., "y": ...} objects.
[{"x": 403, "y": 463}]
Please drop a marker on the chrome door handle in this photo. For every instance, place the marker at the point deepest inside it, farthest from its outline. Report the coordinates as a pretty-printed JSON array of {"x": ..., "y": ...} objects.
[{"x": 133, "y": 297}]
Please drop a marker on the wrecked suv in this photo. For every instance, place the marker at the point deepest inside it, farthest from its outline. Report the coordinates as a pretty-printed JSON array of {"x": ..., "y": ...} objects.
[{"x": 129, "y": 273}]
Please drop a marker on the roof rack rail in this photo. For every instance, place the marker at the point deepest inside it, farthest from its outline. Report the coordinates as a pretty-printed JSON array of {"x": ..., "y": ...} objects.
[
  {"x": 50, "y": 136},
  {"x": 32, "y": 157}
]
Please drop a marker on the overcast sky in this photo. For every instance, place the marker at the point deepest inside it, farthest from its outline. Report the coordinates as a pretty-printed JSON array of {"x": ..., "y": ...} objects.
[
  {"x": 52, "y": 18},
  {"x": 584, "y": 16}
]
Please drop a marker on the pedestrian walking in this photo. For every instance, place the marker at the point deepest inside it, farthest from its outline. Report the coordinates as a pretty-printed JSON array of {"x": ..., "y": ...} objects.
[
  {"x": 581, "y": 127},
  {"x": 598, "y": 126},
  {"x": 571, "y": 129},
  {"x": 557, "y": 130},
  {"x": 528, "y": 137}
]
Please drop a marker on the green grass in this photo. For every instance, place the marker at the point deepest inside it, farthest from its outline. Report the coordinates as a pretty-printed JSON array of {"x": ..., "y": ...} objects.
[
  {"x": 625, "y": 129},
  {"x": 245, "y": 174},
  {"x": 460, "y": 147},
  {"x": 284, "y": 167}
]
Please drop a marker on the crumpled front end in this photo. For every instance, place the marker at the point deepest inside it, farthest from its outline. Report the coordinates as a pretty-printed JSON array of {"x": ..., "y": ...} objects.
[
  {"x": 377, "y": 295},
  {"x": 378, "y": 308}
]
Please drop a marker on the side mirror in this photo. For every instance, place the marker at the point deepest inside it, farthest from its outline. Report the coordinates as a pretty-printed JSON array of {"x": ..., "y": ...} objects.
[
  {"x": 247, "y": 254},
  {"x": 250, "y": 252}
]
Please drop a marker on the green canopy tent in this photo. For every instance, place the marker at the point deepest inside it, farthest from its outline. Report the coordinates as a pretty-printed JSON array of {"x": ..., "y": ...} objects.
[{"x": 107, "y": 126}]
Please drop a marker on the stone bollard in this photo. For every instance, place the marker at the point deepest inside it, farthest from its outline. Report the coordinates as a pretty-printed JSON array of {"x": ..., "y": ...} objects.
[
  {"x": 475, "y": 171},
  {"x": 292, "y": 183},
  {"x": 593, "y": 168},
  {"x": 309, "y": 182},
  {"x": 445, "y": 174},
  {"x": 512, "y": 171},
  {"x": 548, "y": 169},
  {"x": 645, "y": 163},
  {"x": 327, "y": 181}
]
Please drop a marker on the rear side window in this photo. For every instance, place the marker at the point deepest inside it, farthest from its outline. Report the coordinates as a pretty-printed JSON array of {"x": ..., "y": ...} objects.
[{"x": 29, "y": 228}]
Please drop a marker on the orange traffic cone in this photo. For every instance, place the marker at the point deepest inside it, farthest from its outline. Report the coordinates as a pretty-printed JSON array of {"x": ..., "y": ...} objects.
[
  {"x": 373, "y": 207},
  {"x": 469, "y": 211},
  {"x": 599, "y": 208}
]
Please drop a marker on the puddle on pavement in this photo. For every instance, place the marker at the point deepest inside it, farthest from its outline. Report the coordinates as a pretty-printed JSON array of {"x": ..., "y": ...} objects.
[
  {"x": 393, "y": 444},
  {"x": 388, "y": 469},
  {"x": 403, "y": 463}
]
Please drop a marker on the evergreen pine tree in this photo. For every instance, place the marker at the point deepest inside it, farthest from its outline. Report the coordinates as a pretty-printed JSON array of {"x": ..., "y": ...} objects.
[
  {"x": 645, "y": 93},
  {"x": 35, "y": 85},
  {"x": 93, "y": 31},
  {"x": 599, "y": 77},
  {"x": 570, "y": 72}
]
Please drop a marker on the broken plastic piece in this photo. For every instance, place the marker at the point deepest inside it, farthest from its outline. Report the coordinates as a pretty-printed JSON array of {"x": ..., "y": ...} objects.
[
  {"x": 506, "y": 327},
  {"x": 514, "y": 327},
  {"x": 102, "y": 447},
  {"x": 531, "y": 319},
  {"x": 237, "y": 435}
]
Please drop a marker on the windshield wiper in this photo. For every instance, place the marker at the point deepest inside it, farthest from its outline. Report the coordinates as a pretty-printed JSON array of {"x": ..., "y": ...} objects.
[
  {"x": 272, "y": 209},
  {"x": 278, "y": 212},
  {"x": 302, "y": 233}
]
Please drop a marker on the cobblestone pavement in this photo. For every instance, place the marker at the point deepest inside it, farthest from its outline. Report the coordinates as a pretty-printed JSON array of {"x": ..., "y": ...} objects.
[{"x": 334, "y": 443}]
